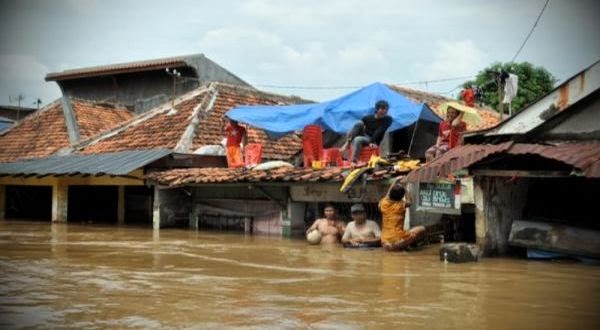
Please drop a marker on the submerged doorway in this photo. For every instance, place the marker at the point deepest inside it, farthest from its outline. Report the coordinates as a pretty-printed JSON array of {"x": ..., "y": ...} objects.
[
  {"x": 93, "y": 203},
  {"x": 28, "y": 202}
]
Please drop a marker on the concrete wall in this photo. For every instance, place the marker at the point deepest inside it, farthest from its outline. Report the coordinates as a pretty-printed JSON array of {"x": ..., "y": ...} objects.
[
  {"x": 498, "y": 201},
  {"x": 583, "y": 122},
  {"x": 138, "y": 91},
  {"x": 172, "y": 207},
  {"x": 266, "y": 217}
]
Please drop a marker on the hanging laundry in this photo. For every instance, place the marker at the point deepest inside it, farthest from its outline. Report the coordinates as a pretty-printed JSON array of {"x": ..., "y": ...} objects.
[{"x": 510, "y": 88}]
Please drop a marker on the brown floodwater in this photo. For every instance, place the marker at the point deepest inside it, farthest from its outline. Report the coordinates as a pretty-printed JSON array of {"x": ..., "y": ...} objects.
[{"x": 91, "y": 277}]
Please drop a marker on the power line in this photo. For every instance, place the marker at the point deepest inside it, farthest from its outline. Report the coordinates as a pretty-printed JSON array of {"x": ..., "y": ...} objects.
[
  {"x": 530, "y": 31},
  {"x": 352, "y": 87}
]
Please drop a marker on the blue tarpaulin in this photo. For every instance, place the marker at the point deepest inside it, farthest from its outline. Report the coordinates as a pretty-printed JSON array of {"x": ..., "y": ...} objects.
[{"x": 338, "y": 115}]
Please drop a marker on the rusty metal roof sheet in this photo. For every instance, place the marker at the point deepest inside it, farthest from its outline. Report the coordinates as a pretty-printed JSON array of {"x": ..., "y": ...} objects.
[
  {"x": 584, "y": 156},
  {"x": 120, "y": 68},
  {"x": 454, "y": 160}
]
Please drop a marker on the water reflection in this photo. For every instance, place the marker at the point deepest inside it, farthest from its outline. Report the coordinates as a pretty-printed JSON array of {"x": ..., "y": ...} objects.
[{"x": 85, "y": 276}]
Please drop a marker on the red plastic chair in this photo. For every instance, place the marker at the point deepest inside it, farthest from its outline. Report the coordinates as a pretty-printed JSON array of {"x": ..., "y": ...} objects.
[
  {"x": 312, "y": 143},
  {"x": 366, "y": 152},
  {"x": 332, "y": 157},
  {"x": 252, "y": 154}
]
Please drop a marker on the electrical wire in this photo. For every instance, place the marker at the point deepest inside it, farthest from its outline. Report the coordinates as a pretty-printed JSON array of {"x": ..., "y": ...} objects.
[
  {"x": 353, "y": 87},
  {"x": 530, "y": 31}
]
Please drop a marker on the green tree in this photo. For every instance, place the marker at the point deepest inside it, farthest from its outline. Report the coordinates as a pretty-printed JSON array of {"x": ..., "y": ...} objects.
[{"x": 534, "y": 82}]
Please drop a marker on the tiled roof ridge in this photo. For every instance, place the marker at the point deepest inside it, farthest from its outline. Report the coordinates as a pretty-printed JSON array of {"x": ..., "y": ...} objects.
[
  {"x": 122, "y": 65},
  {"x": 286, "y": 98},
  {"x": 417, "y": 91},
  {"x": 33, "y": 116},
  {"x": 196, "y": 117},
  {"x": 143, "y": 117}
]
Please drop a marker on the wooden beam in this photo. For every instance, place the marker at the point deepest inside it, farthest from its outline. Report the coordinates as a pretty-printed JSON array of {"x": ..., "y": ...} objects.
[
  {"x": 282, "y": 204},
  {"x": 121, "y": 206},
  {"x": 2, "y": 202},
  {"x": 522, "y": 173},
  {"x": 80, "y": 180}
]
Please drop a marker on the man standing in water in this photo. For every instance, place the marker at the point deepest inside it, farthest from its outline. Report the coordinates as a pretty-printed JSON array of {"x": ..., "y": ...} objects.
[
  {"x": 361, "y": 232},
  {"x": 330, "y": 227}
]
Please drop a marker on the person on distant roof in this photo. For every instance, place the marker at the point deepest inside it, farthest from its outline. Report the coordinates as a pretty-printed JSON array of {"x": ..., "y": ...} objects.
[
  {"x": 468, "y": 96},
  {"x": 449, "y": 133},
  {"x": 236, "y": 137},
  {"x": 368, "y": 131}
]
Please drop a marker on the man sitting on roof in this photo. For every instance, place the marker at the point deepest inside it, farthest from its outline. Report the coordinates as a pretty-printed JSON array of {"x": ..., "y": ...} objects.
[
  {"x": 448, "y": 134},
  {"x": 369, "y": 130}
]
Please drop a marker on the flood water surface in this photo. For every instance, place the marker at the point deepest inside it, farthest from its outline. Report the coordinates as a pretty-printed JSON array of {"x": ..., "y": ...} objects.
[{"x": 86, "y": 276}]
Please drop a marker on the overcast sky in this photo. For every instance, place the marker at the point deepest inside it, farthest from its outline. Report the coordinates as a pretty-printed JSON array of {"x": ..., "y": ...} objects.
[{"x": 330, "y": 46}]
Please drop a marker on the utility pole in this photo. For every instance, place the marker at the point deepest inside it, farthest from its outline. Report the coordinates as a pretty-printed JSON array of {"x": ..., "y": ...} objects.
[
  {"x": 18, "y": 98},
  {"x": 500, "y": 96}
]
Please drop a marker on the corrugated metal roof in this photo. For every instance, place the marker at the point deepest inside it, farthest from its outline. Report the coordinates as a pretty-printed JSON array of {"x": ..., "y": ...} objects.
[
  {"x": 114, "y": 163},
  {"x": 454, "y": 160},
  {"x": 120, "y": 67},
  {"x": 583, "y": 156}
]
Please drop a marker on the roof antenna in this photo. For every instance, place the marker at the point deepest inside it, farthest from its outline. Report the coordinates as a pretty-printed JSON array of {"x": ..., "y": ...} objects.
[{"x": 176, "y": 75}]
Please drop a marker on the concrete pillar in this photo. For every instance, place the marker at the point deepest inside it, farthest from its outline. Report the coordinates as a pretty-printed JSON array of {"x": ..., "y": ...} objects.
[
  {"x": 480, "y": 216},
  {"x": 60, "y": 195},
  {"x": 295, "y": 215},
  {"x": 2, "y": 202},
  {"x": 156, "y": 209},
  {"x": 498, "y": 203},
  {"x": 121, "y": 206}
]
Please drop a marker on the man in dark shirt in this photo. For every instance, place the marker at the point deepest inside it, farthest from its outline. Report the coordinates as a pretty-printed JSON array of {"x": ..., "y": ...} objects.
[{"x": 368, "y": 131}]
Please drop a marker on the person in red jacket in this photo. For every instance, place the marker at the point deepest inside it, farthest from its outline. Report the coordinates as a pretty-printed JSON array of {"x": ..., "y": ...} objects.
[
  {"x": 468, "y": 95},
  {"x": 449, "y": 133},
  {"x": 236, "y": 135}
]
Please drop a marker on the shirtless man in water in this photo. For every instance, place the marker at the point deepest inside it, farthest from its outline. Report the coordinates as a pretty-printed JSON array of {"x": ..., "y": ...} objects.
[{"x": 330, "y": 227}]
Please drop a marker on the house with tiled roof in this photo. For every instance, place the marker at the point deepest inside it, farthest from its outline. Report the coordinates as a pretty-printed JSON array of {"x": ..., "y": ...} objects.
[
  {"x": 15, "y": 113},
  {"x": 142, "y": 85},
  {"x": 102, "y": 143}
]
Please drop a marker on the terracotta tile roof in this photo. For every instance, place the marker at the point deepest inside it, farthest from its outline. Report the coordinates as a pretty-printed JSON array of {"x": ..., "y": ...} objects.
[
  {"x": 159, "y": 128},
  {"x": 229, "y": 96},
  {"x": 434, "y": 101},
  {"x": 190, "y": 176},
  {"x": 45, "y": 132},
  {"x": 40, "y": 134},
  {"x": 96, "y": 118},
  {"x": 164, "y": 128}
]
